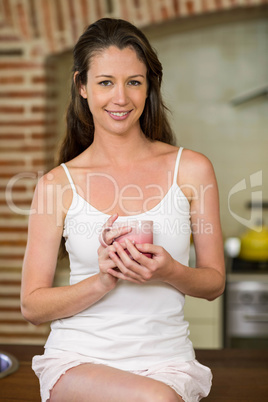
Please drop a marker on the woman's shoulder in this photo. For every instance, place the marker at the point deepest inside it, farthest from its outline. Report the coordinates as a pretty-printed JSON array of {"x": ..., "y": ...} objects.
[
  {"x": 195, "y": 158},
  {"x": 53, "y": 190},
  {"x": 195, "y": 166},
  {"x": 191, "y": 159},
  {"x": 55, "y": 176}
]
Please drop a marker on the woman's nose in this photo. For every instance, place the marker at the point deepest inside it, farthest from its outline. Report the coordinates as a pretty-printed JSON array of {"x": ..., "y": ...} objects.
[{"x": 120, "y": 95}]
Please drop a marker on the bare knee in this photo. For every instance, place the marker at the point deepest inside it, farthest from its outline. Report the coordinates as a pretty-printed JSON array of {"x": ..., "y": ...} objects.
[{"x": 163, "y": 393}]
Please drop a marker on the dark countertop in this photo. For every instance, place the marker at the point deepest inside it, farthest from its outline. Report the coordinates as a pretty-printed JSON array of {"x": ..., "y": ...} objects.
[{"x": 238, "y": 375}]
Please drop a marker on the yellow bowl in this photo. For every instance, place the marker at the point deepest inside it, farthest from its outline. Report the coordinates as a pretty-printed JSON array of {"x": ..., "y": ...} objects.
[{"x": 254, "y": 244}]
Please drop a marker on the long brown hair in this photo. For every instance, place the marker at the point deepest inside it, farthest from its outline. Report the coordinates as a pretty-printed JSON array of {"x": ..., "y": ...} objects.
[{"x": 98, "y": 36}]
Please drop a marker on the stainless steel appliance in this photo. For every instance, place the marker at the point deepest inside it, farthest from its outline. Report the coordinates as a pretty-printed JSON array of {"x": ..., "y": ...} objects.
[
  {"x": 246, "y": 311},
  {"x": 246, "y": 295}
]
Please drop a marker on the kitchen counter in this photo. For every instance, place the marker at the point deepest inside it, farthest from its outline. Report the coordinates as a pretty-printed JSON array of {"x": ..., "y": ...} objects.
[{"x": 239, "y": 375}]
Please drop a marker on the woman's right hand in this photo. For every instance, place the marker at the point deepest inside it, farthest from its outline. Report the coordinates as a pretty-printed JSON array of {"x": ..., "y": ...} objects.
[{"x": 105, "y": 262}]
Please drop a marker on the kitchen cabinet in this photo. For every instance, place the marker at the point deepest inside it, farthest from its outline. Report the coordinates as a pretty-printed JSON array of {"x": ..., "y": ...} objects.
[{"x": 205, "y": 322}]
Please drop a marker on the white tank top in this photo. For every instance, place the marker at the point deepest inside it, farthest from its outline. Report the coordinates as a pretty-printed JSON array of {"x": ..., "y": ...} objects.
[{"x": 133, "y": 326}]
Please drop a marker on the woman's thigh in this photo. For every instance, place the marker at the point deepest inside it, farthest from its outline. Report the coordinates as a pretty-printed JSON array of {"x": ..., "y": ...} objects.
[{"x": 99, "y": 383}]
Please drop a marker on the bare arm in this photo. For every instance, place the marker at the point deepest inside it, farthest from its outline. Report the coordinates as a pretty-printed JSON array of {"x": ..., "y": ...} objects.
[
  {"x": 40, "y": 302},
  {"x": 207, "y": 280}
]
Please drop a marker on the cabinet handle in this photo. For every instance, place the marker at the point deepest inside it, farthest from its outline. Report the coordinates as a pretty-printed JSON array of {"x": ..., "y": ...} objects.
[{"x": 256, "y": 318}]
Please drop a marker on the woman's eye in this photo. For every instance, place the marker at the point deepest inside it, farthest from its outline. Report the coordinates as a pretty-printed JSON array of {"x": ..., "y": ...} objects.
[
  {"x": 134, "y": 83},
  {"x": 105, "y": 83}
]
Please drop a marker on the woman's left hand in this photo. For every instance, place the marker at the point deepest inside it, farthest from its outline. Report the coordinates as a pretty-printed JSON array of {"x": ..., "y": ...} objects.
[{"x": 140, "y": 268}]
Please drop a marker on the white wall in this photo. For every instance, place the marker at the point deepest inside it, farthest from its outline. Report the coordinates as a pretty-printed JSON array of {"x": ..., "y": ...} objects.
[{"x": 204, "y": 69}]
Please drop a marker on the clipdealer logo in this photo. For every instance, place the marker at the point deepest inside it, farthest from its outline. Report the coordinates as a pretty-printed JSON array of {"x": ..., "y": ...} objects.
[{"x": 255, "y": 181}]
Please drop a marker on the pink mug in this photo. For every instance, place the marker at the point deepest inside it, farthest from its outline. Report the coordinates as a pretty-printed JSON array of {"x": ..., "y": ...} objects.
[{"x": 141, "y": 232}]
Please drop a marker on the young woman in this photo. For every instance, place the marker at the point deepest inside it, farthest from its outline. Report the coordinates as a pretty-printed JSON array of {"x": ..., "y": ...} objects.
[{"x": 118, "y": 332}]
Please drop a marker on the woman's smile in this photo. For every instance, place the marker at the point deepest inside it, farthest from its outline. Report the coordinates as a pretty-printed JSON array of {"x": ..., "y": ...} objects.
[{"x": 119, "y": 115}]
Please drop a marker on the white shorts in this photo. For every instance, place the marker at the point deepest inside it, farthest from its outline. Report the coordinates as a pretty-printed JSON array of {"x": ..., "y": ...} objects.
[{"x": 191, "y": 380}]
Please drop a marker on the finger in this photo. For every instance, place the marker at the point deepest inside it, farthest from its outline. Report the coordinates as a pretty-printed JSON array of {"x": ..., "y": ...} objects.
[
  {"x": 106, "y": 228},
  {"x": 110, "y": 264},
  {"x": 143, "y": 259},
  {"x": 119, "y": 275},
  {"x": 124, "y": 255},
  {"x": 117, "y": 261},
  {"x": 147, "y": 248},
  {"x": 105, "y": 261},
  {"x": 110, "y": 232},
  {"x": 136, "y": 254},
  {"x": 110, "y": 221},
  {"x": 103, "y": 252},
  {"x": 107, "y": 236},
  {"x": 116, "y": 232},
  {"x": 138, "y": 269},
  {"x": 129, "y": 273}
]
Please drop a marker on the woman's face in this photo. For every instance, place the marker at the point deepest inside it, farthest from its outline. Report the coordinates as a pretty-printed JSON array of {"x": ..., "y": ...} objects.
[{"x": 116, "y": 90}]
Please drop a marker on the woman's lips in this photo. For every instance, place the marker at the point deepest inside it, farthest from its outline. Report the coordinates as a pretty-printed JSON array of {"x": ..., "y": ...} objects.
[{"x": 119, "y": 115}]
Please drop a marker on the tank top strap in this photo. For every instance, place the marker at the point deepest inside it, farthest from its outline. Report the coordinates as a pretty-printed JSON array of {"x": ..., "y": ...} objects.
[
  {"x": 69, "y": 177},
  {"x": 176, "y": 169}
]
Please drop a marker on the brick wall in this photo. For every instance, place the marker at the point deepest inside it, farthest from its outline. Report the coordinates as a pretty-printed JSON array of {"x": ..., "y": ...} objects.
[{"x": 31, "y": 31}]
